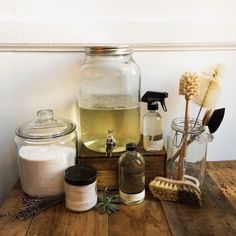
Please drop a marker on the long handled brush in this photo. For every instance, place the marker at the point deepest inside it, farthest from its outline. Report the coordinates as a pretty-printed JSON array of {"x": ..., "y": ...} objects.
[
  {"x": 188, "y": 87},
  {"x": 208, "y": 94},
  {"x": 209, "y": 89},
  {"x": 182, "y": 190}
]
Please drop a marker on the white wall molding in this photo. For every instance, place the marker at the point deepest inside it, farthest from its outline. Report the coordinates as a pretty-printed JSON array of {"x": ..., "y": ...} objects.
[{"x": 148, "y": 47}]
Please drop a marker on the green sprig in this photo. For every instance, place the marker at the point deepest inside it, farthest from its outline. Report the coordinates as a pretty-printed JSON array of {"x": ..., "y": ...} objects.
[{"x": 108, "y": 202}]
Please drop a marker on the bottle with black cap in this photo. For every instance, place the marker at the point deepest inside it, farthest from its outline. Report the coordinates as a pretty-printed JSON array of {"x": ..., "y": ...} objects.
[
  {"x": 152, "y": 121},
  {"x": 131, "y": 176}
]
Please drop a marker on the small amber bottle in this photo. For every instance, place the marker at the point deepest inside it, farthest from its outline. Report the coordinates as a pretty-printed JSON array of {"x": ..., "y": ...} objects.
[{"x": 131, "y": 176}]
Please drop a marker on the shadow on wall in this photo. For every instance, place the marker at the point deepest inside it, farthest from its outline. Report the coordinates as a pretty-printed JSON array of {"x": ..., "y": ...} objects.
[{"x": 30, "y": 82}]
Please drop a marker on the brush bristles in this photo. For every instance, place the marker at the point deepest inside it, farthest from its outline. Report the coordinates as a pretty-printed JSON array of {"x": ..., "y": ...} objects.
[
  {"x": 209, "y": 90},
  {"x": 188, "y": 85},
  {"x": 176, "y": 190},
  {"x": 164, "y": 190}
]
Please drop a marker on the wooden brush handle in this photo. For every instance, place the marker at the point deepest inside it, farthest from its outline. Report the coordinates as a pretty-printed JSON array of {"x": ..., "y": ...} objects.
[
  {"x": 179, "y": 150},
  {"x": 182, "y": 159},
  {"x": 183, "y": 152}
]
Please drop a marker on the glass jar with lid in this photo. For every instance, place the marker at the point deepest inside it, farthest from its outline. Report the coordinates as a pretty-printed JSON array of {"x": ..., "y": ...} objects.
[
  {"x": 109, "y": 95},
  {"x": 46, "y": 148},
  {"x": 195, "y": 162}
]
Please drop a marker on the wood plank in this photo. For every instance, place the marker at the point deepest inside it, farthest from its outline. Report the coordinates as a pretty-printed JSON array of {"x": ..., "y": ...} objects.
[
  {"x": 60, "y": 221},
  {"x": 12, "y": 204},
  {"x": 110, "y": 179},
  {"x": 224, "y": 175},
  {"x": 107, "y": 179},
  {"x": 87, "y": 153},
  {"x": 152, "y": 163},
  {"x": 216, "y": 217},
  {"x": 150, "y": 175},
  {"x": 107, "y": 167},
  {"x": 146, "y": 218},
  {"x": 108, "y": 164}
]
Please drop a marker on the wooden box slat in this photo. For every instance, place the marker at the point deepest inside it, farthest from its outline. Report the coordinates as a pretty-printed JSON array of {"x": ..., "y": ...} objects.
[{"x": 107, "y": 167}]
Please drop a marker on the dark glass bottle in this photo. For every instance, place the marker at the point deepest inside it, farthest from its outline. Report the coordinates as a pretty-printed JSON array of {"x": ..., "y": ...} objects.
[{"x": 131, "y": 176}]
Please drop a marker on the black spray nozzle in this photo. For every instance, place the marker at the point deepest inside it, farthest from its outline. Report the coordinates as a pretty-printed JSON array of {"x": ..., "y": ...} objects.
[{"x": 152, "y": 97}]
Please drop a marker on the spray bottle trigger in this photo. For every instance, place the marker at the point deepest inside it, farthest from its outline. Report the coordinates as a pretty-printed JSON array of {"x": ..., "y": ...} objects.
[
  {"x": 155, "y": 97},
  {"x": 163, "y": 105}
]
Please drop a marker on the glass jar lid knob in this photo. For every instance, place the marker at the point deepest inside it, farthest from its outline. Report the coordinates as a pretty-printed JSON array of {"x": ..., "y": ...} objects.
[{"x": 45, "y": 115}]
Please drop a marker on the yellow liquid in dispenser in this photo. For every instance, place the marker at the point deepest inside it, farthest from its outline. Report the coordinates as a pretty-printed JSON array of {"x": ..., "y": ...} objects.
[{"x": 123, "y": 118}]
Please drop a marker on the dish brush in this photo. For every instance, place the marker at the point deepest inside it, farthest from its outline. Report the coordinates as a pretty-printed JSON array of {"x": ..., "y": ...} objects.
[
  {"x": 213, "y": 119},
  {"x": 185, "y": 192},
  {"x": 207, "y": 96},
  {"x": 209, "y": 89},
  {"x": 188, "y": 87}
]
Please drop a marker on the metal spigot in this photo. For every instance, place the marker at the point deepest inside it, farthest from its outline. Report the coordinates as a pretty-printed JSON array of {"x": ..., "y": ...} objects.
[{"x": 110, "y": 143}]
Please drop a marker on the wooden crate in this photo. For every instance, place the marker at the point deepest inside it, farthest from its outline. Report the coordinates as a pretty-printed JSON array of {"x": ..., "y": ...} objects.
[{"x": 107, "y": 167}]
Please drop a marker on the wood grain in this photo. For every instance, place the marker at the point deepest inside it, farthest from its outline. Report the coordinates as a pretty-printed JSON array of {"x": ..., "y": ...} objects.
[
  {"x": 216, "y": 217},
  {"x": 87, "y": 153},
  {"x": 107, "y": 179},
  {"x": 223, "y": 174},
  {"x": 110, "y": 178},
  {"x": 60, "y": 221},
  {"x": 107, "y": 167},
  {"x": 152, "y": 163},
  {"x": 152, "y": 217},
  {"x": 146, "y": 218},
  {"x": 13, "y": 203}
]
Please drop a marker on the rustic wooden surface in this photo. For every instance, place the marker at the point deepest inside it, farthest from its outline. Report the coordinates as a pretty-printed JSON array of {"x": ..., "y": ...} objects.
[
  {"x": 107, "y": 167},
  {"x": 152, "y": 217}
]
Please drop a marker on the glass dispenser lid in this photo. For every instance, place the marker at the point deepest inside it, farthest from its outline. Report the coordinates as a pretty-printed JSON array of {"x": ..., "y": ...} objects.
[
  {"x": 108, "y": 50},
  {"x": 45, "y": 127}
]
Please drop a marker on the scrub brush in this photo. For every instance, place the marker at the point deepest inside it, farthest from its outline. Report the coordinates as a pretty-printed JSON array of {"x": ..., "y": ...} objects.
[
  {"x": 207, "y": 96},
  {"x": 209, "y": 89},
  {"x": 188, "y": 87},
  {"x": 213, "y": 119},
  {"x": 181, "y": 190},
  {"x": 185, "y": 192}
]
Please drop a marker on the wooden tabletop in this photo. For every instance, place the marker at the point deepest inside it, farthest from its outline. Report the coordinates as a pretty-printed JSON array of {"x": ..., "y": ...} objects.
[{"x": 152, "y": 217}]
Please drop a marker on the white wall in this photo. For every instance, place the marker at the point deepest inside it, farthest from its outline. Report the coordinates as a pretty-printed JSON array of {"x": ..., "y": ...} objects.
[
  {"x": 132, "y": 21},
  {"x": 30, "y": 81}
]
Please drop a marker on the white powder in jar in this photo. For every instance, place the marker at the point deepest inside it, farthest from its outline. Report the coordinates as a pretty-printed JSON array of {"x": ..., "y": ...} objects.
[
  {"x": 80, "y": 198},
  {"x": 42, "y": 168}
]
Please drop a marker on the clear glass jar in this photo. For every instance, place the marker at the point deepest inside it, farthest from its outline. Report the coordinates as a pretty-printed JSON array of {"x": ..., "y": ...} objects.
[
  {"x": 109, "y": 95},
  {"x": 195, "y": 164},
  {"x": 46, "y": 148}
]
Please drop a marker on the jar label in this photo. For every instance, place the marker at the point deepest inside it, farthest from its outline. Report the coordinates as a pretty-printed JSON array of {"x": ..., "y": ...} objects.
[
  {"x": 153, "y": 145},
  {"x": 132, "y": 197},
  {"x": 154, "y": 137},
  {"x": 80, "y": 206}
]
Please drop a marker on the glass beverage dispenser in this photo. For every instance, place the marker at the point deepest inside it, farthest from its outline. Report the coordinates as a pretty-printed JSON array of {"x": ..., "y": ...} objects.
[{"x": 109, "y": 95}]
